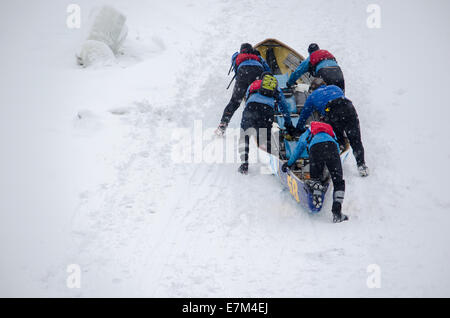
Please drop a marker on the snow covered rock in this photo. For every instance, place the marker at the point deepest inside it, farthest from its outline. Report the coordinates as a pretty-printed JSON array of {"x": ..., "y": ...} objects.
[
  {"x": 107, "y": 33},
  {"x": 95, "y": 52}
]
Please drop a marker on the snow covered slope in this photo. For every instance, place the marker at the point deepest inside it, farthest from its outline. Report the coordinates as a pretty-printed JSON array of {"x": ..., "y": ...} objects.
[{"x": 88, "y": 177}]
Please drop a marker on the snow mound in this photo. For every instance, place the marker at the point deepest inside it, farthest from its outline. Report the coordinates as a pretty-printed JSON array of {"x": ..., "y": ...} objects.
[
  {"x": 95, "y": 53},
  {"x": 107, "y": 34}
]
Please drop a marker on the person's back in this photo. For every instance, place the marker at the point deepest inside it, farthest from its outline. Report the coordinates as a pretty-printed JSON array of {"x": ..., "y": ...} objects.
[
  {"x": 248, "y": 65},
  {"x": 319, "y": 59},
  {"x": 322, "y": 64},
  {"x": 323, "y": 133},
  {"x": 314, "y": 135},
  {"x": 247, "y": 58},
  {"x": 323, "y": 152},
  {"x": 261, "y": 99},
  {"x": 318, "y": 100},
  {"x": 340, "y": 113}
]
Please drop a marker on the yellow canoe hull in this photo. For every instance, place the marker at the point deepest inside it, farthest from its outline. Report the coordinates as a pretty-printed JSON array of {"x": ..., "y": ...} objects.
[{"x": 281, "y": 58}]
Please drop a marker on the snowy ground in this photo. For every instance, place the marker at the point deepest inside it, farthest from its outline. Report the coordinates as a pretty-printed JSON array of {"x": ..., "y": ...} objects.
[{"x": 88, "y": 177}]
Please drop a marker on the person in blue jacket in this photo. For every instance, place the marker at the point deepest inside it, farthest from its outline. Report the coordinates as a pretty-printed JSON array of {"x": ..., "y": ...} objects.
[
  {"x": 320, "y": 63},
  {"x": 262, "y": 97},
  {"x": 320, "y": 142},
  {"x": 340, "y": 113},
  {"x": 248, "y": 65},
  {"x": 300, "y": 153}
]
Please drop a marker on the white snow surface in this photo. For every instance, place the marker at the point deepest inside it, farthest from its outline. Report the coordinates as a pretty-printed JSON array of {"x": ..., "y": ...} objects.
[{"x": 87, "y": 176}]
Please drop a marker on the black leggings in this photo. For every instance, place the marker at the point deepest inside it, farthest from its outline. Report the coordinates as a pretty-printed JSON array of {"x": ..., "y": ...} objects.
[
  {"x": 245, "y": 76},
  {"x": 332, "y": 76},
  {"x": 257, "y": 119},
  {"x": 343, "y": 118},
  {"x": 327, "y": 154}
]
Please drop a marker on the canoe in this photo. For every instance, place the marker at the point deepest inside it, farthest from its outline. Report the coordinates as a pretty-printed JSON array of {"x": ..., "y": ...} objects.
[{"x": 283, "y": 60}]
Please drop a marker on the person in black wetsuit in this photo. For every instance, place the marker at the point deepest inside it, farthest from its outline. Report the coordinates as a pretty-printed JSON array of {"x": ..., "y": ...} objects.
[
  {"x": 320, "y": 63},
  {"x": 323, "y": 150},
  {"x": 248, "y": 65},
  {"x": 262, "y": 98},
  {"x": 338, "y": 111}
]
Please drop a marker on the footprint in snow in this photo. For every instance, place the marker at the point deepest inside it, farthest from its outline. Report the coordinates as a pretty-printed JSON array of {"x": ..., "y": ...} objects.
[
  {"x": 88, "y": 121},
  {"x": 120, "y": 111}
]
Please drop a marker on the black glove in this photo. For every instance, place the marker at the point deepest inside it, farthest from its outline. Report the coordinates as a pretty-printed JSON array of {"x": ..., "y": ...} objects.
[
  {"x": 290, "y": 129},
  {"x": 289, "y": 85},
  {"x": 285, "y": 167}
]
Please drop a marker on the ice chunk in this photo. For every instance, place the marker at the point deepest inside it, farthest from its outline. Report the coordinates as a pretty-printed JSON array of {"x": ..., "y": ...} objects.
[
  {"x": 109, "y": 27},
  {"x": 95, "y": 52},
  {"x": 106, "y": 35}
]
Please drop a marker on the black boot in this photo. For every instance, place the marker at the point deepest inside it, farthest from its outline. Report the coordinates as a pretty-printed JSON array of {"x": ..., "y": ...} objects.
[
  {"x": 338, "y": 217},
  {"x": 363, "y": 170},
  {"x": 243, "y": 168}
]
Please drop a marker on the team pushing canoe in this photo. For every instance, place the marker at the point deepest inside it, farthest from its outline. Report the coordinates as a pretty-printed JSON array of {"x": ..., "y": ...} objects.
[{"x": 298, "y": 112}]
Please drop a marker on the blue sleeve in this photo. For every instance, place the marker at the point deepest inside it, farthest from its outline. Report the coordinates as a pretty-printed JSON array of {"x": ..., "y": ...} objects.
[
  {"x": 284, "y": 107},
  {"x": 307, "y": 110},
  {"x": 301, "y": 69},
  {"x": 265, "y": 65},
  {"x": 299, "y": 149},
  {"x": 233, "y": 60},
  {"x": 247, "y": 92}
]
